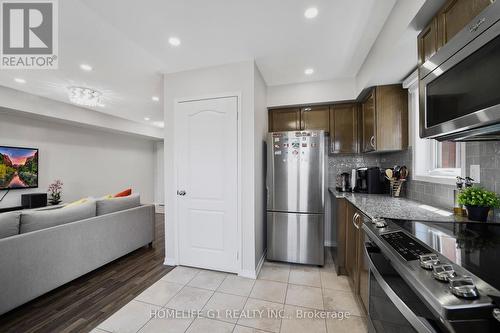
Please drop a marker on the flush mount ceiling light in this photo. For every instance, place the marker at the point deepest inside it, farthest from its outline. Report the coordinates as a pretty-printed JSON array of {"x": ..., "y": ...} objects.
[
  {"x": 174, "y": 41},
  {"x": 311, "y": 12},
  {"x": 309, "y": 71},
  {"x": 85, "y": 96},
  {"x": 86, "y": 67},
  {"x": 19, "y": 80},
  {"x": 155, "y": 98}
]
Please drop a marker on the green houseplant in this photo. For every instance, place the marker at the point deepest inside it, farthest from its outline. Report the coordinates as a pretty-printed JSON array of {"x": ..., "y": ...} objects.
[
  {"x": 55, "y": 191},
  {"x": 478, "y": 202}
]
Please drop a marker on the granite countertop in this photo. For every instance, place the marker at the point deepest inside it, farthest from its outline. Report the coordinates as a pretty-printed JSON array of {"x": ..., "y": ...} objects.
[{"x": 383, "y": 205}]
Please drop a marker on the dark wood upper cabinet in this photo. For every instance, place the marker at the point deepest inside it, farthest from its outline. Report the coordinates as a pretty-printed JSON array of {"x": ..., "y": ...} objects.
[
  {"x": 392, "y": 118},
  {"x": 455, "y": 15},
  {"x": 384, "y": 118},
  {"x": 450, "y": 20},
  {"x": 368, "y": 140},
  {"x": 428, "y": 42},
  {"x": 284, "y": 120},
  {"x": 315, "y": 118},
  {"x": 344, "y": 129}
]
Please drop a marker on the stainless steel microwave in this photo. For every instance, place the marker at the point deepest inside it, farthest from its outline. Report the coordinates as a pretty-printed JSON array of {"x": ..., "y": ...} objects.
[{"x": 460, "y": 84}]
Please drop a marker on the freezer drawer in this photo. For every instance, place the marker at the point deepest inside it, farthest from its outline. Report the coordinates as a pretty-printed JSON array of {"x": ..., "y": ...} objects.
[{"x": 296, "y": 238}]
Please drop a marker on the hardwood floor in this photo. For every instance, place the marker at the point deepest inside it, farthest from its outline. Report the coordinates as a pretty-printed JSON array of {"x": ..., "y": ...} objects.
[{"x": 80, "y": 305}]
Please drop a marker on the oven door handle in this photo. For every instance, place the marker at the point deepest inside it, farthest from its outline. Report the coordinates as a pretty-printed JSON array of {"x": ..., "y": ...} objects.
[{"x": 420, "y": 324}]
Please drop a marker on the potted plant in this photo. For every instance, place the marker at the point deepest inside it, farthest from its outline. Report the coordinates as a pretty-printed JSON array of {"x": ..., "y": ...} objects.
[
  {"x": 478, "y": 202},
  {"x": 55, "y": 190}
]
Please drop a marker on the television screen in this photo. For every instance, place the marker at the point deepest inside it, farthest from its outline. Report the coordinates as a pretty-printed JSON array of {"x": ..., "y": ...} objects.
[{"x": 18, "y": 168}]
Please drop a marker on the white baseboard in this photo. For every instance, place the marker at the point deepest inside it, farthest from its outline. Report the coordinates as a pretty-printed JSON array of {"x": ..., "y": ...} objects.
[
  {"x": 330, "y": 243},
  {"x": 252, "y": 274},
  {"x": 261, "y": 262},
  {"x": 170, "y": 262}
]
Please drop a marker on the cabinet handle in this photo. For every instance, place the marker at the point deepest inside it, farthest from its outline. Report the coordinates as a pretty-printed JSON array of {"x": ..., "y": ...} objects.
[
  {"x": 372, "y": 141},
  {"x": 354, "y": 218}
]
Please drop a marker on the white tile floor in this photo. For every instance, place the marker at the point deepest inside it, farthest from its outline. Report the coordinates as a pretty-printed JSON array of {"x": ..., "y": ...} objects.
[{"x": 292, "y": 289}]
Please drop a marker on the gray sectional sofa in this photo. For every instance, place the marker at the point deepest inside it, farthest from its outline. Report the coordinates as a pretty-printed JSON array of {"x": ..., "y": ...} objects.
[{"x": 41, "y": 250}]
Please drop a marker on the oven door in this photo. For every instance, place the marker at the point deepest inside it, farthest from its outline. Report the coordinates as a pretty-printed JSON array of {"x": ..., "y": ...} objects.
[
  {"x": 393, "y": 306},
  {"x": 459, "y": 85}
]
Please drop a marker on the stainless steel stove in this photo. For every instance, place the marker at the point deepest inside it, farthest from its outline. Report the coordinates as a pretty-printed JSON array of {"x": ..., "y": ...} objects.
[{"x": 414, "y": 288}]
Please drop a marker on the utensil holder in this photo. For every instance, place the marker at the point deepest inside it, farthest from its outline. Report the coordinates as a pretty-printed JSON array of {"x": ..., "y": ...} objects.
[{"x": 396, "y": 187}]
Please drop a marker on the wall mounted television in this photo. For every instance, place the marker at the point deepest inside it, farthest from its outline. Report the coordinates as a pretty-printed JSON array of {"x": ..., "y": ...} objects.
[{"x": 18, "y": 168}]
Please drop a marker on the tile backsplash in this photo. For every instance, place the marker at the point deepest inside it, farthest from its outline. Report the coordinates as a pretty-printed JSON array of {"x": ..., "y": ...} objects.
[{"x": 485, "y": 154}]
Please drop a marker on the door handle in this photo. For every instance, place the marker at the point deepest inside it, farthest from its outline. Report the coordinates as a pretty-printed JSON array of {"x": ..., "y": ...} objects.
[
  {"x": 181, "y": 192},
  {"x": 372, "y": 141}
]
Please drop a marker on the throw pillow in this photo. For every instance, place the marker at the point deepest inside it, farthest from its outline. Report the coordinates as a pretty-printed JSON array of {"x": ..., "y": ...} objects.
[{"x": 124, "y": 193}]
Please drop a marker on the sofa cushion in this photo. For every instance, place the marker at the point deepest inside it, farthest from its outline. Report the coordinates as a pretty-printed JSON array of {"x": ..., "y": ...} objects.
[
  {"x": 107, "y": 206},
  {"x": 36, "y": 220},
  {"x": 9, "y": 224}
]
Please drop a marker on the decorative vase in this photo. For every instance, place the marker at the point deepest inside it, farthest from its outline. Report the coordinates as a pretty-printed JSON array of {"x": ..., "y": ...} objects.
[{"x": 478, "y": 213}]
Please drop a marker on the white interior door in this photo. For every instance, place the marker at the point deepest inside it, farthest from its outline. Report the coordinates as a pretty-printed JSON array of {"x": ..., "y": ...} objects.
[{"x": 207, "y": 183}]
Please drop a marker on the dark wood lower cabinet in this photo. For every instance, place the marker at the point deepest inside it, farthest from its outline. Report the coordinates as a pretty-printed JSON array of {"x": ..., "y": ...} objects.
[
  {"x": 364, "y": 271},
  {"x": 356, "y": 267}
]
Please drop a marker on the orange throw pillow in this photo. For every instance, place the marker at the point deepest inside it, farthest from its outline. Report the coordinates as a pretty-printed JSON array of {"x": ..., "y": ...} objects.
[{"x": 125, "y": 193}]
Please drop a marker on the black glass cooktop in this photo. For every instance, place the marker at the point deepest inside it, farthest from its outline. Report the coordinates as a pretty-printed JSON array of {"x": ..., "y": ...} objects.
[
  {"x": 407, "y": 247},
  {"x": 474, "y": 246}
]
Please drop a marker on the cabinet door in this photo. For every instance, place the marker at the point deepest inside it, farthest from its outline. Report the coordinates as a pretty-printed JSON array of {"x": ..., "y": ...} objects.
[
  {"x": 427, "y": 42},
  {"x": 315, "y": 118},
  {"x": 368, "y": 141},
  {"x": 455, "y": 15},
  {"x": 352, "y": 243},
  {"x": 344, "y": 129},
  {"x": 341, "y": 220},
  {"x": 284, "y": 120},
  {"x": 363, "y": 268},
  {"x": 391, "y": 118}
]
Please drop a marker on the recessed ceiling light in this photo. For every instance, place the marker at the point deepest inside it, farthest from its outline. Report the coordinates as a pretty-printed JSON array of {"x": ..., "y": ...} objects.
[
  {"x": 309, "y": 71},
  {"x": 311, "y": 12},
  {"x": 86, "y": 67},
  {"x": 19, "y": 80},
  {"x": 174, "y": 41},
  {"x": 155, "y": 98},
  {"x": 147, "y": 118}
]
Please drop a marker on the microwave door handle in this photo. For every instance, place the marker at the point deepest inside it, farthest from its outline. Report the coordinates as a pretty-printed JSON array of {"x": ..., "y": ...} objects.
[{"x": 420, "y": 324}]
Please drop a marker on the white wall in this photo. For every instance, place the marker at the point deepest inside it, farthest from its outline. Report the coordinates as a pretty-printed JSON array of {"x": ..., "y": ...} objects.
[
  {"x": 393, "y": 56},
  {"x": 311, "y": 92},
  {"x": 206, "y": 82},
  {"x": 159, "y": 176},
  {"x": 261, "y": 127},
  {"x": 90, "y": 162}
]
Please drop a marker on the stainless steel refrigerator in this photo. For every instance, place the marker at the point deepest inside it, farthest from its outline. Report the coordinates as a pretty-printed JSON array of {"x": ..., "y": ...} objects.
[{"x": 296, "y": 190}]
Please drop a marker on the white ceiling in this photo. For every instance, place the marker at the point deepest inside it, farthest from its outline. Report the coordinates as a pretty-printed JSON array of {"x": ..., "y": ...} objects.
[{"x": 126, "y": 41}]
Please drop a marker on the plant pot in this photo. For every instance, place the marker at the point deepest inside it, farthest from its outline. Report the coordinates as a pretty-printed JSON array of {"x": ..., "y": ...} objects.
[{"x": 478, "y": 213}]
